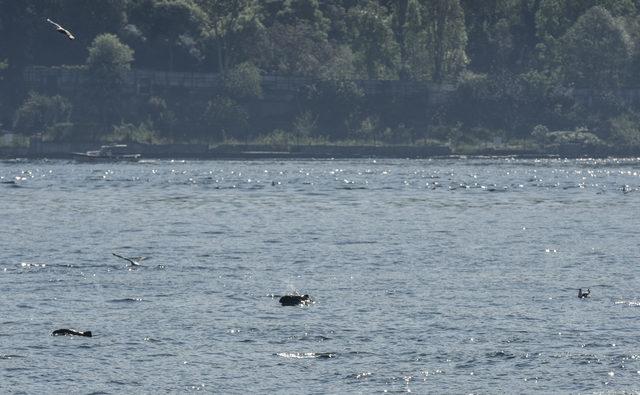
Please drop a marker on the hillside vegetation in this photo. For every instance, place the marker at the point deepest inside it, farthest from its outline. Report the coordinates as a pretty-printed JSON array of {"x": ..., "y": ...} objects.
[{"x": 524, "y": 71}]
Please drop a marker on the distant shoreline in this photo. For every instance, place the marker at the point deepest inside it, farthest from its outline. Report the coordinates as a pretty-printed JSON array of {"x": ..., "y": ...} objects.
[{"x": 249, "y": 152}]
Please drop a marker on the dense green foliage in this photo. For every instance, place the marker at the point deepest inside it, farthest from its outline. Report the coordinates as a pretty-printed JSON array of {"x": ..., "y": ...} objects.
[
  {"x": 39, "y": 112},
  {"x": 512, "y": 70}
]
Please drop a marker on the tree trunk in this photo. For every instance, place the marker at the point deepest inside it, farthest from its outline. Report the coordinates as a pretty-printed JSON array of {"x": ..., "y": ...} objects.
[
  {"x": 438, "y": 50},
  {"x": 400, "y": 35}
]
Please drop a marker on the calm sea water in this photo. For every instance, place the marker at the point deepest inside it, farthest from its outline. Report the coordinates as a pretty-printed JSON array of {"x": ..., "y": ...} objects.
[{"x": 429, "y": 276}]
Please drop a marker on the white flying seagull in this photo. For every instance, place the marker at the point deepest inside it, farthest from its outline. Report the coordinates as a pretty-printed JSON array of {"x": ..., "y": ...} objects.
[{"x": 62, "y": 30}]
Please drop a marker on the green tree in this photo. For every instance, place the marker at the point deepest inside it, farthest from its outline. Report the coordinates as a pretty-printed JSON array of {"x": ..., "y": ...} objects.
[
  {"x": 502, "y": 34},
  {"x": 38, "y": 112},
  {"x": 173, "y": 31},
  {"x": 400, "y": 12},
  {"x": 295, "y": 11},
  {"x": 433, "y": 39},
  {"x": 336, "y": 12},
  {"x": 554, "y": 17},
  {"x": 108, "y": 61},
  {"x": 160, "y": 116},
  {"x": 225, "y": 118},
  {"x": 292, "y": 50},
  {"x": 373, "y": 42},
  {"x": 337, "y": 104},
  {"x": 339, "y": 65},
  {"x": 415, "y": 42},
  {"x": 243, "y": 81},
  {"x": 298, "y": 41},
  {"x": 507, "y": 101},
  {"x": 304, "y": 125},
  {"x": 236, "y": 32},
  {"x": 595, "y": 51},
  {"x": 447, "y": 38},
  {"x": 624, "y": 130}
]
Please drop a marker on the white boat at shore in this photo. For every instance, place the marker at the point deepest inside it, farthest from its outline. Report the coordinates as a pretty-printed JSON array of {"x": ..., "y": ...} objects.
[{"x": 107, "y": 153}]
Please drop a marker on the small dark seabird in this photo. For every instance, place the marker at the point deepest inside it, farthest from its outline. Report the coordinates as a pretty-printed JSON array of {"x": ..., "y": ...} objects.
[
  {"x": 585, "y": 294},
  {"x": 70, "y": 332},
  {"x": 295, "y": 300}
]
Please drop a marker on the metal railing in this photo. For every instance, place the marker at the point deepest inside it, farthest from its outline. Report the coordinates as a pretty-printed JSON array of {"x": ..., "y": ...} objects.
[{"x": 67, "y": 78}]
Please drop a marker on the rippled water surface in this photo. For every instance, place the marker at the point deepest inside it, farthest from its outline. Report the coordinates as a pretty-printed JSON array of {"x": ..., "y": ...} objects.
[{"x": 439, "y": 276}]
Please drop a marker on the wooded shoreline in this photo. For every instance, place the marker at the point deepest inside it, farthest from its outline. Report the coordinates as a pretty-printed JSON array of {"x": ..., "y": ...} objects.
[{"x": 247, "y": 152}]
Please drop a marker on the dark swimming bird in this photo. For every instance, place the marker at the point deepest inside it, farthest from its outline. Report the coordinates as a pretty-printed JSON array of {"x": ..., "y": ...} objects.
[
  {"x": 584, "y": 294},
  {"x": 70, "y": 332},
  {"x": 62, "y": 30},
  {"x": 295, "y": 300}
]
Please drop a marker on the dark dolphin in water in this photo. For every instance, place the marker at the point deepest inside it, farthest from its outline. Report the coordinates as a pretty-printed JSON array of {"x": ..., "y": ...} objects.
[
  {"x": 585, "y": 294},
  {"x": 70, "y": 332},
  {"x": 295, "y": 300}
]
